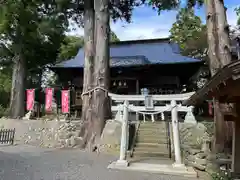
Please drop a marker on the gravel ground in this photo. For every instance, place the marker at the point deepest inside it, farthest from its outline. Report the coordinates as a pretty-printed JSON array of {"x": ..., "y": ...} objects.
[{"x": 31, "y": 163}]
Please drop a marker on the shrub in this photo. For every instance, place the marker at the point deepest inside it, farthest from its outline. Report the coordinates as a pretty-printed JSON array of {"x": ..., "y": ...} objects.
[{"x": 3, "y": 111}]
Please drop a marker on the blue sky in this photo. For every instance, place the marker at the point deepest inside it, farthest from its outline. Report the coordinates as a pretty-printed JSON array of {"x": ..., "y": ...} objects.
[{"x": 146, "y": 23}]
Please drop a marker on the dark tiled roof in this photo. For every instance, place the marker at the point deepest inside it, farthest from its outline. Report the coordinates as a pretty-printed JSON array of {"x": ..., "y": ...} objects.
[{"x": 137, "y": 52}]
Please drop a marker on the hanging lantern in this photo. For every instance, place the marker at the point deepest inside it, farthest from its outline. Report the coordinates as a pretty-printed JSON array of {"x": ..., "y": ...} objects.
[
  {"x": 120, "y": 84},
  {"x": 114, "y": 83},
  {"x": 125, "y": 84}
]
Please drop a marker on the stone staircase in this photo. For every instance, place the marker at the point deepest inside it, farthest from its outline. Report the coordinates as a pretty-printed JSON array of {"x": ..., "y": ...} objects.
[{"x": 152, "y": 140}]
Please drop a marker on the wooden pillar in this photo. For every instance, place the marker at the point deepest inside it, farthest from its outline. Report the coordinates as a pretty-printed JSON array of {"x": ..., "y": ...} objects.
[
  {"x": 137, "y": 87},
  {"x": 236, "y": 143},
  {"x": 137, "y": 92},
  {"x": 124, "y": 137}
]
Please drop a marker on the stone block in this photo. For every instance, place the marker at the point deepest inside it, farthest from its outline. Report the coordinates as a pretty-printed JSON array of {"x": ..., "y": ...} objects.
[
  {"x": 194, "y": 151},
  {"x": 211, "y": 168},
  {"x": 112, "y": 133},
  {"x": 198, "y": 166},
  {"x": 191, "y": 158},
  {"x": 201, "y": 155},
  {"x": 200, "y": 161}
]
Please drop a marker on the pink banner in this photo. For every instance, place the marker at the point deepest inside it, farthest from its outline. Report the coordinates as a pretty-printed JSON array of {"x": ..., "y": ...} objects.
[
  {"x": 30, "y": 99},
  {"x": 48, "y": 99},
  {"x": 65, "y": 101}
]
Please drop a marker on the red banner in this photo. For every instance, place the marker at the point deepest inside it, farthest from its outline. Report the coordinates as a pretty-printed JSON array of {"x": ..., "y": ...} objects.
[
  {"x": 48, "y": 99},
  {"x": 65, "y": 101},
  {"x": 30, "y": 99}
]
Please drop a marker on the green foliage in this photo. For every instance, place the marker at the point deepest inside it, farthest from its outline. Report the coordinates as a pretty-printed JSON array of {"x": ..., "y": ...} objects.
[
  {"x": 3, "y": 111},
  {"x": 5, "y": 89},
  {"x": 113, "y": 37},
  {"x": 190, "y": 34},
  {"x": 70, "y": 47},
  {"x": 221, "y": 175},
  {"x": 34, "y": 30},
  {"x": 238, "y": 14},
  {"x": 71, "y": 44},
  {"x": 122, "y": 9}
]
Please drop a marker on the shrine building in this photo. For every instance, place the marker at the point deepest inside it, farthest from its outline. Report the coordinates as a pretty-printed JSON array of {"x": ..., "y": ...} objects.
[{"x": 137, "y": 66}]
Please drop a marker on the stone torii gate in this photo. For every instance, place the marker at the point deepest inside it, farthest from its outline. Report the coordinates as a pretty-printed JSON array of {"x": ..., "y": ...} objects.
[
  {"x": 173, "y": 107},
  {"x": 176, "y": 138}
]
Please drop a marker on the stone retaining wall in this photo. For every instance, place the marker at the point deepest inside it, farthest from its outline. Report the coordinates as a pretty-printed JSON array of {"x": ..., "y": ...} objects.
[{"x": 44, "y": 133}]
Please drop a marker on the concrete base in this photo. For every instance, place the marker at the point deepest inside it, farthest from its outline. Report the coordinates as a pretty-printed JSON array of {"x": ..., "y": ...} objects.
[
  {"x": 157, "y": 168},
  {"x": 122, "y": 163},
  {"x": 179, "y": 166}
]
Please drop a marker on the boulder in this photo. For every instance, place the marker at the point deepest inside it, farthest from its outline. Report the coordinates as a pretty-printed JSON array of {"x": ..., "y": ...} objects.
[
  {"x": 198, "y": 166},
  {"x": 193, "y": 135},
  {"x": 77, "y": 142},
  {"x": 194, "y": 151},
  {"x": 201, "y": 155},
  {"x": 211, "y": 168},
  {"x": 201, "y": 161},
  {"x": 111, "y": 134}
]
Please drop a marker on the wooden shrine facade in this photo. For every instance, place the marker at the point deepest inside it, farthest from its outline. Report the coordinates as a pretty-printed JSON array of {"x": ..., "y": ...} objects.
[
  {"x": 225, "y": 88},
  {"x": 158, "y": 79}
]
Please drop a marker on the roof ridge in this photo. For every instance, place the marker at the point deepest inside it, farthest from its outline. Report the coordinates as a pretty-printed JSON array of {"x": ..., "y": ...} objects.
[{"x": 138, "y": 41}]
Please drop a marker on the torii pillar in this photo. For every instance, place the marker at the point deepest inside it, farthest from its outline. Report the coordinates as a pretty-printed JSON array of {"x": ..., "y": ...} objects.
[{"x": 176, "y": 136}]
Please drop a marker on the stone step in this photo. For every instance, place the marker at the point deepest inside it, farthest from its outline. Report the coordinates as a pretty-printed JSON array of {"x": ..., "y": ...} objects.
[
  {"x": 151, "y": 130},
  {"x": 156, "y": 128},
  {"x": 153, "y": 125},
  {"x": 150, "y": 137},
  {"x": 151, "y": 154},
  {"x": 162, "y": 148},
  {"x": 150, "y": 122},
  {"x": 154, "y": 133},
  {"x": 150, "y": 145},
  {"x": 152, "y": 140},
  {"x": 148, "y": 128}
]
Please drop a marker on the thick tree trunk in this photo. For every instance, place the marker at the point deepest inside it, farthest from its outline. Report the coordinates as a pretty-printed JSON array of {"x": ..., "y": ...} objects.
[
  {"x": 89, "y": 50},
  {"x": 89, "y": 53},
  {"x": 214, "y": 66},
  {"x": 214, "y": 59},
  {"x": 96, "y": 71},
  {"x": 219, "y": 55},
  {"x": 226, "y": 58},
  {"x": 223, "y": 33},
  {"x": 17, "y": 105},
  {"x": 101, "y": 67}
]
